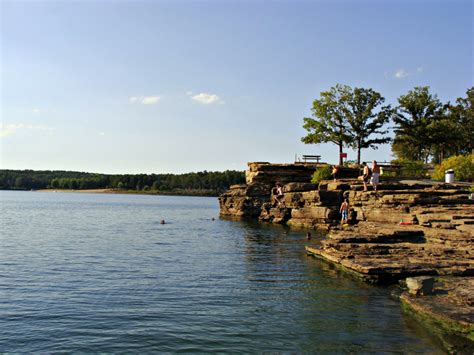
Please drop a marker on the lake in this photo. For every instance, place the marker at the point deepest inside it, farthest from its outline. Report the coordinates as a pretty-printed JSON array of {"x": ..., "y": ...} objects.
[{"x": 98, "y": 273}]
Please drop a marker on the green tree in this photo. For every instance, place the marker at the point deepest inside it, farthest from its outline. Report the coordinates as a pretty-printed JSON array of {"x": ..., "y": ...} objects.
[
  {"x": 463, "y": 115},
  {"x": 20, "y": 182},
  {"x": 55, "y": 183},
  {"x": 327, "y": 124},
  {"x": 443, "y": 134},
  {"x": 365, "y": 117},
  {"x": 417, "y": 112}
]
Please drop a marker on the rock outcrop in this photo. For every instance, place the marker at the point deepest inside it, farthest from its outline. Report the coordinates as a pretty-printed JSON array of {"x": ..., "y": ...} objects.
[
  {"x": 406, "y": 228},
  {"x": 381, "y": 253},
  {"x": 309, "y": 205}
]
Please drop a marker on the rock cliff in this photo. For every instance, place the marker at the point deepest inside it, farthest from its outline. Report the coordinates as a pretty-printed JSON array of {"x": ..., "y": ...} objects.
[{"x": 405, "y": 228}]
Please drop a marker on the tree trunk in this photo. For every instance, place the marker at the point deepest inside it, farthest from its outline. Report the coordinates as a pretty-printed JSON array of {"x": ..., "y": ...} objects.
[
  {"x": 340, "y": 153},
  {"x": 358, "y": 154}
]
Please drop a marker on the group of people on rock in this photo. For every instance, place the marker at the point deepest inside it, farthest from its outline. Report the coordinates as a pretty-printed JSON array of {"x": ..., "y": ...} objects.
[
  {"x": 368, "y": 175},
  {"x": 371, "y": 175}
]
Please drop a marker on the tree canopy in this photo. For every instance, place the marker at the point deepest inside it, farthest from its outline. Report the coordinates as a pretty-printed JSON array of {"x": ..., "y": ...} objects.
[
  {"x": 365, "y": 118},
  {"x": 327, "y": 126},
  {"x": 428, "y": 129},
  {"x": 418, "y": 116},
  {"x": 462, "y": 115},
  {"x": 348, "y": 117}
]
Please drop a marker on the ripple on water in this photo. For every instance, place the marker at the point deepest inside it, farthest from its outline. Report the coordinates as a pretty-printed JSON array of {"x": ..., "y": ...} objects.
[{"x": 98, "y": 273}]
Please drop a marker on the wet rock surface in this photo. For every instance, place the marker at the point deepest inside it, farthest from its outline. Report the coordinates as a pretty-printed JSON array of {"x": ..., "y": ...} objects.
[{"x": 449, "y": 310}]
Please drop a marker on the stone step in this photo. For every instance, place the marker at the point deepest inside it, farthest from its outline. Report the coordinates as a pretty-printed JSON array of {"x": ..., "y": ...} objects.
[{"x": 463, "y": 217}]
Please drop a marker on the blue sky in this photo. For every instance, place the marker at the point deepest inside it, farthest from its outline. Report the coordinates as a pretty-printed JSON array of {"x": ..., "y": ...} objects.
[{"x": 179, "y": 86}]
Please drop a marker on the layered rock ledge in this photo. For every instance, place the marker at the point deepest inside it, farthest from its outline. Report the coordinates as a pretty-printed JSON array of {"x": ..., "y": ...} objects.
[
  {"x": 380, "y": 253},
  {"x": 406, "y": 228}
]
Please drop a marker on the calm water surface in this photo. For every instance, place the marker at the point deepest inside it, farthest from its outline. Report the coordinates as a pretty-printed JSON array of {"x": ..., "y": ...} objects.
[{"x": 98, "y": 273}]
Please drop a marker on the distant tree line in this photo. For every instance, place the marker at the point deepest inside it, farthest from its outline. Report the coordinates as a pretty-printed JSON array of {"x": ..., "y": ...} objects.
[
  {"x": 205, "y": 182},
  {"x": 425, "y": 129}
]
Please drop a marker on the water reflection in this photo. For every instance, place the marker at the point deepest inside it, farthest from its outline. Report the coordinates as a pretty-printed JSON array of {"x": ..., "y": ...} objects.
[{"x": 334, "y": 311}]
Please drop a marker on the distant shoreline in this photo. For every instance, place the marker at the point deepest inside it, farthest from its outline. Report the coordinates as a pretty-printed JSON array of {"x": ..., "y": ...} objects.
[{"x": 128, "y": 192}]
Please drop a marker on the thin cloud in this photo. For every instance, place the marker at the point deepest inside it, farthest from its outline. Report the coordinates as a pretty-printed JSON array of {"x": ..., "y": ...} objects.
[
  {"x": 150, "y": 100},
  {"x": 401, "y": 73},
  {"x": 207, "y": 99},
  {"x": 11, "y": 129},
  {"x": 189, "y": 93},
  {"x": 145, "y": 100}
]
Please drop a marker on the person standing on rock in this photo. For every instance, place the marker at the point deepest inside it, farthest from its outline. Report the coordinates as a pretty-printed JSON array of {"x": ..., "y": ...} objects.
[
  {"x": 335, "y": 170},
  {"x": 365, "y": 175},
  {"x": 344, "y": 210},
  {"x": 375, "y": 174}
]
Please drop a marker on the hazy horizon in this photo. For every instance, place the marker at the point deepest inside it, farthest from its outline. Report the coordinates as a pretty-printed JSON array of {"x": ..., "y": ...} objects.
[{"x": 184, "y": 86}]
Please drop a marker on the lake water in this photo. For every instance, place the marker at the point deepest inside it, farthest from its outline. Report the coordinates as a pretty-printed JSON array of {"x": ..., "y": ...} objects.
[{"x": 99, "y": 273}]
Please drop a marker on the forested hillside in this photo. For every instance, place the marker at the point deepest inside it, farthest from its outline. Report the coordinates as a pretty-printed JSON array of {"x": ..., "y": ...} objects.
[{"x": 205, "y": 182}]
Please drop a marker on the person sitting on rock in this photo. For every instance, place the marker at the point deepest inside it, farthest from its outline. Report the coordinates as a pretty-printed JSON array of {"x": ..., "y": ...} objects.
[
  {"x": 375, "y": 175},
  {"x": 344, "y": 210},
  {"x": 365, "y": 175},
  {"x": 278, "y": 195}
]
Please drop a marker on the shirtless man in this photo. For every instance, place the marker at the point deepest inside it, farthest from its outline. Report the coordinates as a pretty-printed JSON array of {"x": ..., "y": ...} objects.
[
  {"x": 365, "y": 175},
  {"x": 344, "y": 210},
  {"x": 375, "y": 175}
]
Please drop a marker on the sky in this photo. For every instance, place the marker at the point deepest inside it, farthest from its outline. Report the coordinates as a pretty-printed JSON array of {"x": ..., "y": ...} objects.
[{"x": 180, "y": 86}]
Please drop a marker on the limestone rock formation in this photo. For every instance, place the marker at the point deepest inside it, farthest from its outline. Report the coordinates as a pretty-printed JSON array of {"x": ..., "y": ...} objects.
[{"x": 406, "y": 228}]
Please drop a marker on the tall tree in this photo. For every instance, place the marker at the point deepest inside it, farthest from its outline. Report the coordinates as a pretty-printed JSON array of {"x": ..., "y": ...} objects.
[
  {"x": 417, "y": 110},
  {"x": 462, "y": 114},
  {"x": 443, "y": 134},
  {"x": 328, "y": 122},
  {"x": 365, "y": 117}
]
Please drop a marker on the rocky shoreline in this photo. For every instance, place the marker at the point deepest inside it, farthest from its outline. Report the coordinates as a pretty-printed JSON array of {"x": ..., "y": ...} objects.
[{"x": 407, "y": 228}]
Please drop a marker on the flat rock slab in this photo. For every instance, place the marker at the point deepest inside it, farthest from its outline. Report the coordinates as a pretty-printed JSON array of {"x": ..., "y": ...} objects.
[{"x": 384, "y": 254}]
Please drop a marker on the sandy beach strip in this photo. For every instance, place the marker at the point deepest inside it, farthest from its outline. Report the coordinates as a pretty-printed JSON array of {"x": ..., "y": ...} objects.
[{"x": 93, "y": 191}]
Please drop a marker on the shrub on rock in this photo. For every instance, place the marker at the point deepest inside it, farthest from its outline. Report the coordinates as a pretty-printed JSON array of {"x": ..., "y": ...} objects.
[
  {"x": 322, "y": 173},
  {"x": 463, "y": 166}
]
